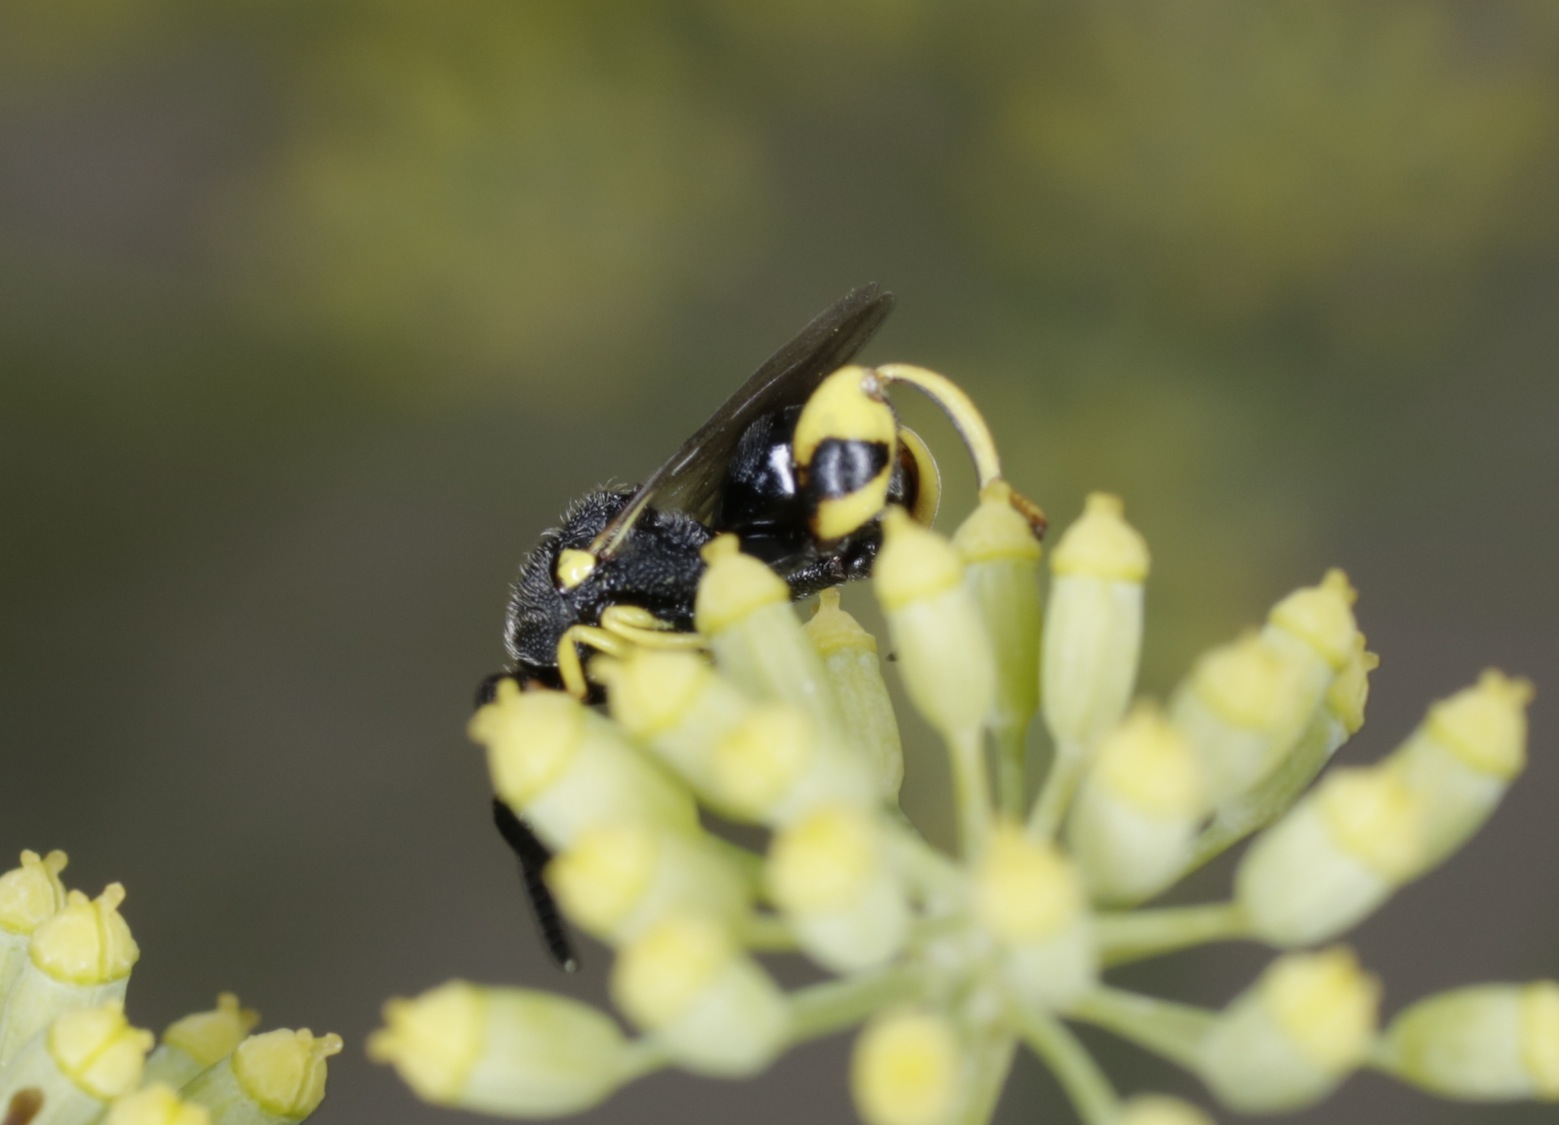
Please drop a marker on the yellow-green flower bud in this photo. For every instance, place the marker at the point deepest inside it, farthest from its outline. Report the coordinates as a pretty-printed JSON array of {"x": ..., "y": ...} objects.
[
  {"x": 943, "y": 652},
  {"x": 85, "y": 1059},
  {"x": 1157, "y": 1109},
  {"x": 851, "y": 664},
  {"x": 907, "y": 1069},
  {"x": 276, "y": 1078},
  {"x": 829, "y": 873},
  {"x": 744, "y": 609},
  {"x": 80, "y": 957},
  {"x": 1290, "y": 1039},
  {"x": 30, "y": 895},
  {"x": 157, "y": 1104},
  {"x": 1138, "y": 810},
  {"x": 1242, "y": 708},
  {"x": 503, "y": 1051},
  {"x": 712, "y": 1008},
  {"x": 678, "y": 706},
  {"x": 1463, "y": 757},
  {"x": 1491, "y": 1042},
  {"x": 566, "y": 769},
  {"x": 199, "y": 1040},
  {"x": 1335, "y": 857},
  {"x": 1001, "y": 569},
  {"x": 1315, "y": 627},
  {"x": 1093, "y": 624},
  {"x": 618, "y": 879},
  {"x": 776, "y": 764},
  {"x": 1031, "y": 901}
]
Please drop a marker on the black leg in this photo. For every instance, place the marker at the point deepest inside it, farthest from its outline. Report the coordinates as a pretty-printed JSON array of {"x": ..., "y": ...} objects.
[{"x": 533, "y": 856}]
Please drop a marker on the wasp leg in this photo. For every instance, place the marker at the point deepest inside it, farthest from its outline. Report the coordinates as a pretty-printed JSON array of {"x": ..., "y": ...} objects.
[
  {"x": 970, "y": 424},
  {"x": 640, "y": 626},
  {"x": 534, "y": 856},
  {"x": 571, "y": 668}
]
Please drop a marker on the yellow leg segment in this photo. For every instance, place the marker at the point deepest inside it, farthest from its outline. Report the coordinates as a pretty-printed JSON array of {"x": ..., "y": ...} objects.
[
  {"x": 622, "y": 627},
  {"x": 570, "y": 667}
]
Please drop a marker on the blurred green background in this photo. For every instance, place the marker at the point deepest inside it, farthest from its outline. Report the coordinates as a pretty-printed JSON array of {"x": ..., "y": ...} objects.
[{"x": 313, "y": 316}]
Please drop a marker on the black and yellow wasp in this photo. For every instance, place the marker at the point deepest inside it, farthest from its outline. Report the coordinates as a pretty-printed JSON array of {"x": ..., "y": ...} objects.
[{"x": 799, "y": 464}]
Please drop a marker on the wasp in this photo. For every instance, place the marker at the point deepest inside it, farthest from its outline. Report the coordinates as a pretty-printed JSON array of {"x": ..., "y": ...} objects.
[{"x": 799, "y": 463}]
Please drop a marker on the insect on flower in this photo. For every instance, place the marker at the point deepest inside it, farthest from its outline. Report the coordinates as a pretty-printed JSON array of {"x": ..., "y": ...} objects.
[{"x": 800, "y": 463}]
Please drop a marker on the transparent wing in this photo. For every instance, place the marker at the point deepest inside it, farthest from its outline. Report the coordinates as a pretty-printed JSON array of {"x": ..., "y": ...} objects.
[{"x": 690, "y": 479}]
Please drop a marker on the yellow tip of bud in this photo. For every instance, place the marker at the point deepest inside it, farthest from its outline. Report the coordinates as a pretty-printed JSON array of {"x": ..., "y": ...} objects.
[
  {"x": 1485, "y": 725},
  {"x": 434, "y": 1041},
  {"x": 88, "y": 941},
  {"x": 1321, "y": 616},
  {"x": 1326, "y": 1005},
  {"x": 1102, "y": 544},
  {"x": 1350, "y": 691},
  {"x": 659, "y": 976},
  {"x": 284, "y": 1071},
  {"x": 209, "y": 1037},
  {"x": 531, "y": 737},
  {"x": 905, "y": 1070},
  {"x": 98, "y": 1050},
  {"x": 823, "y": 860},
  {"x": 756, "y": 763},
  {"x": 1024, "y": 891},
  {"x": 832, "y": 629},
  {"x": 1540, "y": 1037},
  {"x": 1248, "y": 684},
  {"x": 733, "y": 587},
  {"x": 1374, "y": 815},
  {"x": 914, "y": 562},
  {"x": 651, "y": 690},
  {"x": 995, "y": 530},
  {"x": 157, "y": 1104},
  {"x": 1150, "y": 763},
  {"x": 31, "y": 893},
  {"x": 1157, "y": 1109},
  {"x": 600, "y": 879}
]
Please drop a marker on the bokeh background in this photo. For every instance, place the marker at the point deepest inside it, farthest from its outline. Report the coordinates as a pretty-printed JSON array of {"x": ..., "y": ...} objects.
[{"x": 313, "y": 316}]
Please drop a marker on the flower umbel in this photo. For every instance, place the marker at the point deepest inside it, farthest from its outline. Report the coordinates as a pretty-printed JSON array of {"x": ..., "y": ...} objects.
[
  {"x": 68, "y": 1055},
  {"x": 951, "y": 960}
]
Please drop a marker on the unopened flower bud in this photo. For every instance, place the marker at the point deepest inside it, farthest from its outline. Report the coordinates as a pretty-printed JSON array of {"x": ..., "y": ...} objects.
[
  {"x": 85, "y": 1059},
  {"x": 1001, "y": 569},
  {"x": 829, "y": 873},
  {"x": 1137, "y": 811},
  {"x": 80, "y": 957},
  {"x": 1093, "y": 623},
  {"x": 1491, "y": 1042},
  {"x": 618, "y": 879},
  {"x": 156, "y": 1104},
  {"x": 1335, "y": 857},
  {"x": 777, "y": 763},
  {"x": 743, "y": 607},
  {"x": 1290, "y": 1039},
  {"x": 503, "y": 1051},
  {"x": 944, "y": 654},
  {"x": 1242, "y": 708},
  {"x": 200, "y": 1040},
  {"x": 276, "y": 1078},
  {"x": 1315, "y": 626},
  {"x": 713, "y": 1009},
  {"x": 30, "y": 895},
  {"x": 1463, "y": 757},
  {"x": 679, "y": 707},
  {"x": 566, "y": 769},
  {"x": 907, "y": 1069},
  {"x": 1031, "y": 901},
  {"x": 851, "y": 663}
]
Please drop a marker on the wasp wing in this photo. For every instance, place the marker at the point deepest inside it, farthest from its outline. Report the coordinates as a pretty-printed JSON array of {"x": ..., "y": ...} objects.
[{"x": 690, "y": 479}]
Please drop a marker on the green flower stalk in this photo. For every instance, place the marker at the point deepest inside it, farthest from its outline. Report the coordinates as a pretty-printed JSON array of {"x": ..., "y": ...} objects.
[
  {"x": 69, "y": 1056},
  {"x": 952, "y": 960}
]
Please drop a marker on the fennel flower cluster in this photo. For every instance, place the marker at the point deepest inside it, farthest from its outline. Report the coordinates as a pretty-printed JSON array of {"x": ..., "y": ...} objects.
[
  {"x": 68, "y": 1055},
  {"x": 950, "y": 961}
]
